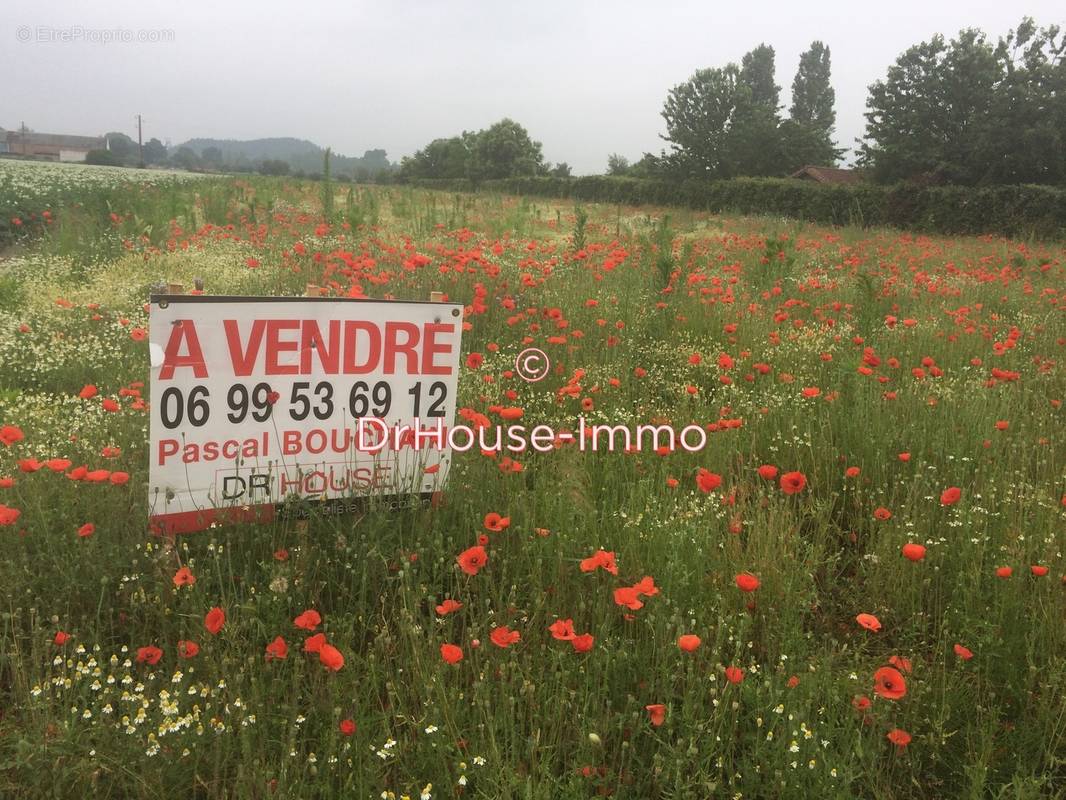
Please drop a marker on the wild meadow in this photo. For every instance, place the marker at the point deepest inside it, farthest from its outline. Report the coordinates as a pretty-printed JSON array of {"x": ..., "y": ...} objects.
[{"x": 857, "y": 589}]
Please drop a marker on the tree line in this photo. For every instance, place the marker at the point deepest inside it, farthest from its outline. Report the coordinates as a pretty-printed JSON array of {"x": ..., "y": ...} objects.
[
  {"x": 295, "y": 157},
  {"x": 968, "y": 111}
]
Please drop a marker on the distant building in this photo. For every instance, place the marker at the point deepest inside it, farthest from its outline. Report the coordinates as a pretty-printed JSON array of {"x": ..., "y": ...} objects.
[
  {"x": 50, "y": 146},
  {"x": 828, "y": 175}
]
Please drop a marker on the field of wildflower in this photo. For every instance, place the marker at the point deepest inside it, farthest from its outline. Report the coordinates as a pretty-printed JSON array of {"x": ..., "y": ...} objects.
[{"x": 856, "y": 589}]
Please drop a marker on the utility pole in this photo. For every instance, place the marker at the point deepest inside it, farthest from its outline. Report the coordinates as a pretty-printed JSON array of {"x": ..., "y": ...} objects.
[{"x": 140, "y": 143}]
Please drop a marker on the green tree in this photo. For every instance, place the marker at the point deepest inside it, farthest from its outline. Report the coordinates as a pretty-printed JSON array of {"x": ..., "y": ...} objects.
[
  {"x": 1028, "y": 142},
  {"x": 186, "y": 158},
  {"x": 754, "y": 141},
  {"x": 937, "y": 113},
  {"x": 505, "y": 150},
  {"x": 212, "y": 156},
  {"x": 617, "y": 165},
  {"x": 698, "y": 115},
  {"x": 441, "y": 158},
  {"x": 724, "y": 122},
  {"x": 807, "y": 136},
  {"x": 375, "y": 161},
  {"x": 155, "y": 152},
  {"x": 103, "y": 158},
  {"x": 122, "y": 146},
  {"x": 560, "y": 170},
  {"x": 275, "y": 166},
  {"x": 649, "y": 166}
]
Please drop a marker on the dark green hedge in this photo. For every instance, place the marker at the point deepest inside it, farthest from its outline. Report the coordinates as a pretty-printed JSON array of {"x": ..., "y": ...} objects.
[{"x": 1038, "y": 211}]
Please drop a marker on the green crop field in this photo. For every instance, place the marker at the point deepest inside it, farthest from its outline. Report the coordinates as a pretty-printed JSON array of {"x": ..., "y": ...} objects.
[{"x": 855, "y": 589}]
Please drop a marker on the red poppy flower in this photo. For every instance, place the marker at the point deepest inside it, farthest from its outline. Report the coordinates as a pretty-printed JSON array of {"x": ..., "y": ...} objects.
[
  {"x": 629, "y": 597},
  {"x": 707, "y": 481},
  {"x": 472, "y": 559},
  {"x": 646, "y": 586},
  {"x": 1038, "y": 570},
  {"x": 61, "y": 638},
  {"x": 600, "y": 559},
  {"x": 149, "y": 655},
  {"x": 451, "y": 653},
  {"x": 184, "y": 577},
  {"x": 86, "y": 530},
  {"x": 88, "y": 392},
  {"x": 347, "y": 727},
  {"x": 793, "y": 682},
  {"x": 889, "y": 683},
  {"x": 495, "y": 523},
  {"x": 793, "y": 482},
  {"x": 767, "y": 472},
  {"x": 277, "y": 649},
  {"x": 314, "y": 644},
  {"x": 9, "y": 434},
  {"x": 448, "y": 606},
  {"x": 899, "y": 738},
  {"x": 869, "y": 621},
  {"x": 860, "y": 702},
  {"x": 331, "y": 657},
  {"x": 582, "y": 643},
  {"x": 747, "y": 582},
  {"x": 734, "y": 675},
  {"x": 308, "y": 620},
  {"x": 1004, "y": 572},
  {"x": 281, "y": 555},
  {"x": 913, "y": 552},
  {"x": 950, "y": 496},
  {"x": 8, "y": 516},
  {"x": 962, "y": 652},
  {"x": 120, "y": 478},
  {"x": 852, "y": 472},
  {"x": 882, "y": 513},
  {"x": 900, "y": 663},
  {"x": 688, "y": 642},
  {"x": 187, "y": 649},
  {"x": 504, "y": 636},
  {"x": 656, "y": 713},
  {"x": 214, "y": 620},
  {"x": 562, "y": 629}
]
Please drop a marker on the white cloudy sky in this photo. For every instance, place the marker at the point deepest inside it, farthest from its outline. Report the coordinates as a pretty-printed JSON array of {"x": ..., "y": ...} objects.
[{"x": 585, "y": 78}]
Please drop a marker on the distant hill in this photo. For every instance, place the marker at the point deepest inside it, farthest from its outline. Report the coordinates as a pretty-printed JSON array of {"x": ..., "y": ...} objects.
[{"x": 301, "y": 155}]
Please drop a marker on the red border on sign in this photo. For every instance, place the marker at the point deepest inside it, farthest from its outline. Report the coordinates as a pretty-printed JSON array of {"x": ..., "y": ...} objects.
[{"x": 201, "y": 520}]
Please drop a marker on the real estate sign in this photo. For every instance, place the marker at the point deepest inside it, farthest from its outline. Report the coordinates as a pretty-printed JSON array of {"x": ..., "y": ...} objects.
[{"x": 255, "y": 401}]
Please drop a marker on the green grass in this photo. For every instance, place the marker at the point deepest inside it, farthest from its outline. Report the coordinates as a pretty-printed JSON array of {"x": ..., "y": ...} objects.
[{"x": 539, "y": 720}]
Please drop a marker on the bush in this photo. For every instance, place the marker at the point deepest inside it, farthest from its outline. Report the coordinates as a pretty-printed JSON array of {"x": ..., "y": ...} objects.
[
  {"x": 1025, "y": 210},
  {"x": 103, "y": 158}
]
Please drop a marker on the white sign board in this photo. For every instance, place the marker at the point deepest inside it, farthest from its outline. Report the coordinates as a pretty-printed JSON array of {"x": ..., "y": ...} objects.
[{"x": 258, "y": 400}]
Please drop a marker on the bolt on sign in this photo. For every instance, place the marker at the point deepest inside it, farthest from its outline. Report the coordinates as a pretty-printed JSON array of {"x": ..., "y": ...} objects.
[{"x": 259, "y": 400}]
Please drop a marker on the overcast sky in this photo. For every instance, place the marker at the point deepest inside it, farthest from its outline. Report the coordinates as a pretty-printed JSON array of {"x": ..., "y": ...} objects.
[{"x": 586, "y": 79}]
